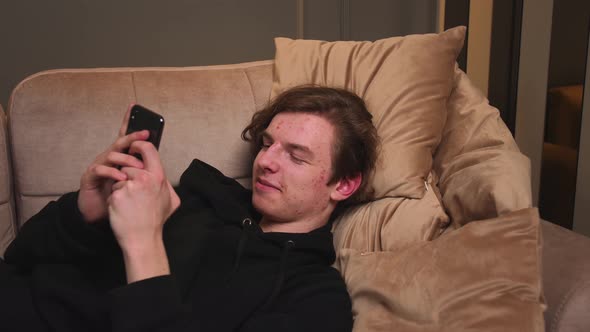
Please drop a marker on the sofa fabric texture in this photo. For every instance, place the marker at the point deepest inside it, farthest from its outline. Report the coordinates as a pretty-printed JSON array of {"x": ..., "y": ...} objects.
[
  {"x": 392, "y": 223},
  {"x": 7, "y": 213},
  {"x": 482, "y": 172},
  {"x": 453, "y": 283},
  {"x": 566, "y": 268},
  {"x": 405, "y": 82},
  {"x": 77, "y": 113},
  {"x": 394, "y": 240}
]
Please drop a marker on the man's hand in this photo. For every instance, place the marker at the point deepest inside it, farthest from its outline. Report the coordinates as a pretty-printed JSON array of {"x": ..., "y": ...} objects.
[
  {"x": 96, "y": 182},
  {"x": 138, "y": 207}
]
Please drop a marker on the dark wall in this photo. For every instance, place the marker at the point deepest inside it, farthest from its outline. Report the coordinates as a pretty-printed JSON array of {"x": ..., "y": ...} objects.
[
  {"x": 38, "y": 35},
  {"x": 373, "y": 19},
  {"x": 569, "y": 40},
  {"x": 504, "y": 59}
]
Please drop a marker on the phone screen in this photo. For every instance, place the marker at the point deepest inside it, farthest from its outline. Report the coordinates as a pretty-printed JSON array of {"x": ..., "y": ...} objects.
[{"x": 142, "y": 118}]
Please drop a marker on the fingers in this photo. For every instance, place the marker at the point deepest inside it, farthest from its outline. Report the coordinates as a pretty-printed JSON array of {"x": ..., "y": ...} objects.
[
  {"x": 106, "y": 164},
  {"x": 150, "y": 156},
  {"x": 123, "y": 143},
  {"x": 106, "y": 172},
  {"x": 120, "y": 159},
  {"x": 118, "y": 185},
  {"x": 107, "y": 167}
]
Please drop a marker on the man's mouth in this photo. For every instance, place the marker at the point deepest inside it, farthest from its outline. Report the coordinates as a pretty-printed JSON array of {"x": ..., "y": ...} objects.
[{"x": 265, "y": 185}]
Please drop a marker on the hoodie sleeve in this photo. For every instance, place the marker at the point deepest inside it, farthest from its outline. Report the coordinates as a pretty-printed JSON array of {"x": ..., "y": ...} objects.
[
  {"x": 155, "y": 305},
  {"x": 152, "y": 304},
  {"x": 58, "y": 234},
  {"x": 324, "y": 319},
  {"x": 314, "y": 309}
]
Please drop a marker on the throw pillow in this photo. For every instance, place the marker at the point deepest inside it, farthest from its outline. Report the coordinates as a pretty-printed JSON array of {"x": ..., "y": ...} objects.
[
  {"x": 482, "y": 172},
  {"x": 405, "y": 82},
  {"x": 484, "y": 276},
  {"x": 392, "y": 223}
]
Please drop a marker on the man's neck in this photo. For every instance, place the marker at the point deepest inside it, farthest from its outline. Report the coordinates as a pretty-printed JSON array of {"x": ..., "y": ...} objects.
[{"x": 297, "y": 226}]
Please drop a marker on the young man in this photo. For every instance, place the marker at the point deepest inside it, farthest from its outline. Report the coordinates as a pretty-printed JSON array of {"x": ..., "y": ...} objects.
[{"x": 127, "y": 252}]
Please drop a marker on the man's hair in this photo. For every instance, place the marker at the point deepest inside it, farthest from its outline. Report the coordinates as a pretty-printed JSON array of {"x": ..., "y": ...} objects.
[{"x": 356, "y": 142}]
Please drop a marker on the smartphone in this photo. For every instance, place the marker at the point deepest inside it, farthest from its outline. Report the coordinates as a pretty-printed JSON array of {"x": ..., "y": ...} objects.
[{"x": 142, "y": 118}]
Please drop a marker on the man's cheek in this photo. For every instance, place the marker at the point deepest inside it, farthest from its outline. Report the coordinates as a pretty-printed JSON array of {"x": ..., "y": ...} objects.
[{"x": 321, "y": 180}]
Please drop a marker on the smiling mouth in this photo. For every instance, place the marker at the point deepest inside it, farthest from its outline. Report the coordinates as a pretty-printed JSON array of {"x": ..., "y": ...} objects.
[{"x": 265, "y": 185}]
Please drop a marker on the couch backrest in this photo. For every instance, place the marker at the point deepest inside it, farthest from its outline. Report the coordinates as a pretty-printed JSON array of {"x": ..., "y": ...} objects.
[
  {"x": 60, "y": 120},
  {"x": 7, "y": 213}
]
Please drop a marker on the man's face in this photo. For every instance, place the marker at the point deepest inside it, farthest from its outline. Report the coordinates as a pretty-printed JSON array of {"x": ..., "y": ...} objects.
[{"x": 291, "y": 172}]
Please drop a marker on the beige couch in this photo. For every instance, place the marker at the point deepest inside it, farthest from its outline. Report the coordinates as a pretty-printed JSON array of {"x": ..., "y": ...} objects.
[{"x": 59, "y": 120}]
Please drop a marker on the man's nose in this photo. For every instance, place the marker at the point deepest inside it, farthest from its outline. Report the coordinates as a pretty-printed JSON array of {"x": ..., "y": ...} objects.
[{"x": 268, "y": 158}]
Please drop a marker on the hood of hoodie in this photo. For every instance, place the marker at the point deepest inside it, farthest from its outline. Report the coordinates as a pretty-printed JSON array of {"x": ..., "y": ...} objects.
[{"x": 233, "y": 204}]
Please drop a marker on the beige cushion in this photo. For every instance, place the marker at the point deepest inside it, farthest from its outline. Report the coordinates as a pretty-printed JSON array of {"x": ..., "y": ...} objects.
[
  {"x": 405, "y": 82},
  {"x": 482, "y": 172},
  {"x": 7, "y": 213},
  {"x": 392, "y": 223},
  {"x": 404, "y": 276},
  {"x": 484, "y": 276}
]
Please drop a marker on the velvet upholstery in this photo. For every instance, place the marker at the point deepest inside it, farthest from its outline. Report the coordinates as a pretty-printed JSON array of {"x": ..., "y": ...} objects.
[
  {"x": 200, "y": 105},
  {"x": 453, "y": 283},
  {"x": 57, "y": 104},
  {"x": 405, "y": 82},
  {"x": 389, "y": 250},
  {"x": 392, "y": 223},
  {"x": 566, "y": 276},
  {"x": 7, "y": 213},
  {"x": 482, "y": 172}
]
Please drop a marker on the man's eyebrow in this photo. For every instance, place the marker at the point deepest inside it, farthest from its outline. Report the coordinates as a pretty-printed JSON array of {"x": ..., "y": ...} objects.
[{"x": 266, "y": 134}]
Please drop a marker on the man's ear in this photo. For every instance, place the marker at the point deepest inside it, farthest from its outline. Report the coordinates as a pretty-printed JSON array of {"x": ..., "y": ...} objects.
[{"x": 345, "y": 187}]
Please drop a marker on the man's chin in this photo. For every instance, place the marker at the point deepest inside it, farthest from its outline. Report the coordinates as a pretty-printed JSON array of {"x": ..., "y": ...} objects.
[
  {"x": 264, "y": 206},
  {"x": 258, "y": 202}
]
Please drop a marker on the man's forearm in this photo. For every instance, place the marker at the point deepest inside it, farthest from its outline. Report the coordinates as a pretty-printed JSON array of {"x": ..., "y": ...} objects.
[{"x": 146, "y": 260}]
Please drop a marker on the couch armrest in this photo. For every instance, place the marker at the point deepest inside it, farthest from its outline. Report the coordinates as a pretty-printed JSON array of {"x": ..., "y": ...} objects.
[
  {"x": 7, "y": 213},
  {"x": 566, "y": 279}
]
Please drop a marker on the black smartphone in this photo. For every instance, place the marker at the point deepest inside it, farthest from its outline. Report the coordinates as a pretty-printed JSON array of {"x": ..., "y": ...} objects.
[{"x": 142, "y": 118}]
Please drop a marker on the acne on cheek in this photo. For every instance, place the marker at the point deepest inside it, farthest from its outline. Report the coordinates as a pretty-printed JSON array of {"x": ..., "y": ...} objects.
[{"x": 322, "y": 178}]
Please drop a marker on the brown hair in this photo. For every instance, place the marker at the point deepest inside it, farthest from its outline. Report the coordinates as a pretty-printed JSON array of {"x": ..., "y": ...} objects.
[{"x": 356, "y": 140}]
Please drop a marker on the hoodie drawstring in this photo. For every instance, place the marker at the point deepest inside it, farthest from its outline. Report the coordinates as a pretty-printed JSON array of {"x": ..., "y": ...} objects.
[
  {"x": 246, "y": 223},
  {"x": 281, "y": 275},
  {"x": 287, "y": 245}
]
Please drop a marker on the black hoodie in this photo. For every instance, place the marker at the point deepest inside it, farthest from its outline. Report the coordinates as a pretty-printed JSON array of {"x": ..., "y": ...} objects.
[{"x": 226, "y": 274}]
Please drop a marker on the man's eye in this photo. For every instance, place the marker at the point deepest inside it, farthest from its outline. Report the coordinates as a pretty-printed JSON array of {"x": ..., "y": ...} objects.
[
  {"x": 297, "y": 160},
  {"x": 265, "y": 145}
]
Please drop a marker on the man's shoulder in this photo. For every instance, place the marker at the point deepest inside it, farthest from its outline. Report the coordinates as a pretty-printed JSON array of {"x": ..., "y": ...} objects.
[
  {"x": 200, "y": 177},
  {"x": 320, "y": 286},
  {"x": 319, "y": 275},
  {"x": 205, "y": 183}
]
